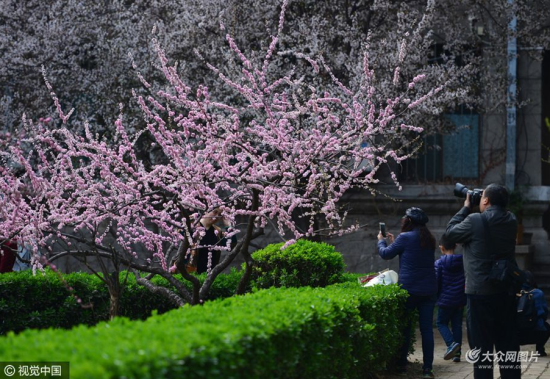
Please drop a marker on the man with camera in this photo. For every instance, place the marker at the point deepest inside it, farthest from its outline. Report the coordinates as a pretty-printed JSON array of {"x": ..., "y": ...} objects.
[{"x": 488, "y": 238}]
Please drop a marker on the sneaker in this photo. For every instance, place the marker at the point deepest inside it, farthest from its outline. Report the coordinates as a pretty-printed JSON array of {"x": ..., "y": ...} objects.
[
  {"x": 428, "y": 373},
  {"x": 451, "y": 350},
  {"x": 456, "y": 358}
]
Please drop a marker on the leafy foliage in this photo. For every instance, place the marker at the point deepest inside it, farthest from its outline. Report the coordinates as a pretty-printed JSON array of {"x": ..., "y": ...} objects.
[
  {"x": 45, "y": 301},
  {"x": 304, "y": 263},
  {"x": 341, "y": 331}
]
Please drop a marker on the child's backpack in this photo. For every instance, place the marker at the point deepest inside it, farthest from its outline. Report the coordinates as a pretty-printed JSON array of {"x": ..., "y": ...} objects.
[{"x": 527, "y": 312}]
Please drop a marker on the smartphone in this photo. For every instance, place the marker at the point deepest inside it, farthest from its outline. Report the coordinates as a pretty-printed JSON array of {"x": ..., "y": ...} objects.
[{"x": 383, "y": 229}]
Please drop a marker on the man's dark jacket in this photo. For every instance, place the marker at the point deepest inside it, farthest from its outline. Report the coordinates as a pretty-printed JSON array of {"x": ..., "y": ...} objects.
[{"x": 467, "y": 229}]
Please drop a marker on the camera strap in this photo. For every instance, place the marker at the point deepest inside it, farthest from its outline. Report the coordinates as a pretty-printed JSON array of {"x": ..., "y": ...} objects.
[{"x": 488, "y": 234}]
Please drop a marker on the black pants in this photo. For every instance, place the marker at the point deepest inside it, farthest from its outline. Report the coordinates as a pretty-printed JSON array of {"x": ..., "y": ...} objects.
[
  {"x": 425, "y": 306},
  {"x": 492, "y": 324},
  {"x": 202, "y": 263},
  {"x": 535, "y": 337}
]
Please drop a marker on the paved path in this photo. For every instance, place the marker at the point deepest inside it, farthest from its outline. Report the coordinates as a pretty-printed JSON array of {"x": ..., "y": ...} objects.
[{"x": 464, "y": 370}]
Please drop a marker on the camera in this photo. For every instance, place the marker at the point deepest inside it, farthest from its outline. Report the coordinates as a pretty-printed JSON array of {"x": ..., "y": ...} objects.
[{"x": 462, "y": 191}]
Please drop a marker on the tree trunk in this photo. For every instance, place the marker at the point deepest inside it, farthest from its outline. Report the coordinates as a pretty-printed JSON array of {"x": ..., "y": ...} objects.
[
  {"x": 114, "y": 304},
  {"x": 243, "y": 283},
  {"x": 113, "y": 284}
]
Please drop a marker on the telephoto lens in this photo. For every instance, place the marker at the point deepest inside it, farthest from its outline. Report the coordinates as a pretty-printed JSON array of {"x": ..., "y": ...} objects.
[{"x": 462, "y": 191}]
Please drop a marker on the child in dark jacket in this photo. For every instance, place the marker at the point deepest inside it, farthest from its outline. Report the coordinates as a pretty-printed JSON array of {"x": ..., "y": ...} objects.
[
  {"x": 540, "y": 333},
  {"x": 451, "y": 300}
]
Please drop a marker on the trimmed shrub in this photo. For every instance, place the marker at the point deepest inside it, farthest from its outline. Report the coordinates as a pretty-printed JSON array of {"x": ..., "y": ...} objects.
[
  {"x": 304, "y": 263},
  {"x": 43, "y": 300},
  {"x": 342, "y": 331}
]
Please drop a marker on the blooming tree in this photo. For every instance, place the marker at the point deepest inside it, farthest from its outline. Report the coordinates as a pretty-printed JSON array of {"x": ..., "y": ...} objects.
[{"x": 287, "y": 144}]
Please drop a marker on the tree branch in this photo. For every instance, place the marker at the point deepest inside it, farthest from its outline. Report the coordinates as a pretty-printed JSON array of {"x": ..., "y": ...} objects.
[
  {"x": 170, "y": 295},
  {"x": 248, "y": 237}
]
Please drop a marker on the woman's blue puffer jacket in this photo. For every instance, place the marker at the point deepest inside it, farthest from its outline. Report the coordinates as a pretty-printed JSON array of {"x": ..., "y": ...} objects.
[{"x": 416, "y": 264}]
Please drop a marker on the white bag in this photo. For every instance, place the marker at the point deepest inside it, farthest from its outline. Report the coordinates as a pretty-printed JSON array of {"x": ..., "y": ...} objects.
[{"x": 384, "y": 278}]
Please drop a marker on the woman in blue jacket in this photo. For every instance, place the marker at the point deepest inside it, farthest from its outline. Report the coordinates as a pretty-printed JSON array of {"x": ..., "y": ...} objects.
[{"x": 415, "y": 247}]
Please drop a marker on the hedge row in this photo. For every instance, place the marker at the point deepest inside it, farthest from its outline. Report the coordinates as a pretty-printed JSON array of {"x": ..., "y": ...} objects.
[
  {"x": 341, "y": 331},
  {"x": 43, "y": 301}
]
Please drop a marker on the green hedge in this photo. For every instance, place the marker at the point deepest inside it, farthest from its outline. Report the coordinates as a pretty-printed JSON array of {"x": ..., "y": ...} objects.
[
  {"x": 43, "y": 300},
  {"x": 304, "y": 263},
  {"x": 341, "y": 331}
]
